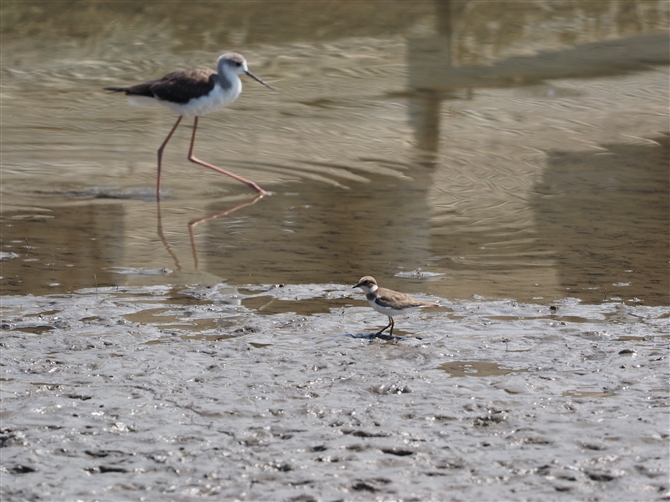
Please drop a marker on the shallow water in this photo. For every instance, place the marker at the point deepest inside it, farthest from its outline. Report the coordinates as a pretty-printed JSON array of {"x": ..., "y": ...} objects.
[{"x": 508, "y": 159}]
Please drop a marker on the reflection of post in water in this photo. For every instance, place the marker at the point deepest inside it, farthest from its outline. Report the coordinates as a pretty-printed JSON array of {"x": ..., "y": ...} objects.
[
  {"x": 426, "y": 57},
  {"x": 436, "y": 71},
  {"x": 606, "y": 219},
  {"x": 194, "y": 223}
]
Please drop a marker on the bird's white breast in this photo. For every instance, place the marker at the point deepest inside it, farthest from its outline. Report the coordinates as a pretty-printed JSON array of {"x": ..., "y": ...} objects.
[
  {"x": 217, "y": 98},
  {"x": 389, "y": 311}
]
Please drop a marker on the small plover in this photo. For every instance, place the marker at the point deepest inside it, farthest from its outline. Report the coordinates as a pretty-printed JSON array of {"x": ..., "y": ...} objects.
[{"x": 389, "y": 302}]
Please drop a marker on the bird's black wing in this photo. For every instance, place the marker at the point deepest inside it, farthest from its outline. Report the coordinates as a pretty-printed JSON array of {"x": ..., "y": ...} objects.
[
  {"x": 180, "y": 86},
  {"x": 137, "y": 90}
]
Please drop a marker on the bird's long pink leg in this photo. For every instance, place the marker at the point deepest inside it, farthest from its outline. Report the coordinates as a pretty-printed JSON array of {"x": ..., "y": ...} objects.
[
  {"x": 160, "y": 157},
  {"x": 192, "y": 158}
]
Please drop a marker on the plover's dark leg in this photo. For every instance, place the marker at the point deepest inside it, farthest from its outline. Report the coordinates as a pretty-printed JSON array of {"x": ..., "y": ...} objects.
[{"x": 386, "y": 337}]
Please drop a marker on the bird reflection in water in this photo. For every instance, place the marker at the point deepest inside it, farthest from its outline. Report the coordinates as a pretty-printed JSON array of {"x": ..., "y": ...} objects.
[{"x": 194, "y": 223}]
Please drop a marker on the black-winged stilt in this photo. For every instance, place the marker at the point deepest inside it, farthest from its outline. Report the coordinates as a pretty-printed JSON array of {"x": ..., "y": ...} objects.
[{"x": 192, "y": 93}]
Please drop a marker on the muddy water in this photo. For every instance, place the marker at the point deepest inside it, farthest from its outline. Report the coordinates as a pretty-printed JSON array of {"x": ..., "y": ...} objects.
[{"x": 502, "y": 158}]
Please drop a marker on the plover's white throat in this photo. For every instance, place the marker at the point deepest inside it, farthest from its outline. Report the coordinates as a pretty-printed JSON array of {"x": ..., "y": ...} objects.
[
  {"x": 389, "y": 302},
  {"x": 192, "y": 93}
]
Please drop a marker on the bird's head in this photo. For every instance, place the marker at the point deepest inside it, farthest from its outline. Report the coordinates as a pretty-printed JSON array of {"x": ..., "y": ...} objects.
[
  {"x": 235, "y": 63},
  {"x": 367, "y": 284}
]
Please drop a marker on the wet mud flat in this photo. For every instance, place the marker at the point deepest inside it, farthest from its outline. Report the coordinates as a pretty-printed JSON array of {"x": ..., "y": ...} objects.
[{"x": 279, "y": 393}]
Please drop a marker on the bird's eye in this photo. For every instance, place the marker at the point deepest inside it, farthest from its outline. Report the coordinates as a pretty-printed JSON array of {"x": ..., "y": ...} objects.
[{"x": 238, "y": 64}]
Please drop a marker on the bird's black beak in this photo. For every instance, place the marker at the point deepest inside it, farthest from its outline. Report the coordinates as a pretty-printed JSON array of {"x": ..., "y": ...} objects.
[
  {"x": 259, "y": 80},
  {"x": 357, "y": 286}
]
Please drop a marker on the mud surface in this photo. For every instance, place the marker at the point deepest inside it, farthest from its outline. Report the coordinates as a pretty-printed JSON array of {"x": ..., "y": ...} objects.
[{"x": 279, "y": 393}]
